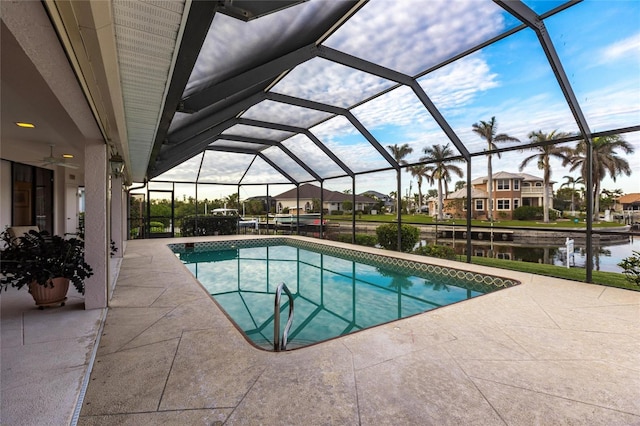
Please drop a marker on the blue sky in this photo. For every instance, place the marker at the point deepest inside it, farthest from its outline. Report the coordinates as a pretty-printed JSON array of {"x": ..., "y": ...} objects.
[
  {"x": 597, "y": 41},
  {"x": 599, "y": 44}
]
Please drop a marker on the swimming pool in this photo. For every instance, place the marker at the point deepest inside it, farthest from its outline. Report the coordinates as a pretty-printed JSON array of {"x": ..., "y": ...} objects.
[{"x": 336, "y": 291}]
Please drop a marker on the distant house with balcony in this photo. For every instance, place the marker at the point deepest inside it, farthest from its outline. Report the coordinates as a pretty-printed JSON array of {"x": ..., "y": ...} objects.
[
  {"x": 628, "y": 202},
  {"x": 629, "y": 207},
  {"x": 510, "y": 191},
  {"x": 331, "y": 200}
]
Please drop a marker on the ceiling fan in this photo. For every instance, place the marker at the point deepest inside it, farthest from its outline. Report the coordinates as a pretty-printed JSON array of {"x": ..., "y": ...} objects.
[{"x": 55, "y": 161}]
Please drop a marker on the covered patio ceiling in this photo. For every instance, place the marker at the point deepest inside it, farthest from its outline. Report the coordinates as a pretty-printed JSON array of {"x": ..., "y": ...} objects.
[{"x": 319, "y": 89}]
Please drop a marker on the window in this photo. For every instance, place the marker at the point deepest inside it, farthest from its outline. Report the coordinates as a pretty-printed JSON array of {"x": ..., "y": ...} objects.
[
  {"x": 504, "y": 204},
  {"x": 32, "y": 197},
  {"x": 526, "y": 184},
  {"x": 516, "y": 185},
  {"x": 516, "y": 203},
  {"x": 479, "y": 205},
  {"x": 503, "y": 184},
  {"x": 504, "y": 256},
  {"x": 538, "y": 184}
]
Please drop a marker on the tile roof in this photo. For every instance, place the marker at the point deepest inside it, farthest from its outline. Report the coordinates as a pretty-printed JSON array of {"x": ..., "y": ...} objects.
[
  {"x": 462, "y": 193},
  {"x": 308, "y": 191},
  {"x": 629, "y": 198}
]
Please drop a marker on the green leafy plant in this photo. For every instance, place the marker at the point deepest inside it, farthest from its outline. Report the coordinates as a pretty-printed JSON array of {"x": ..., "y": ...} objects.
[
  {"x": 631, "y": 267},
  {"x": 361, "y": 239},
  {"x": 532, "y": 213},
  {"x": 156, "y": 226},
  {"x": 39, "y": 257},
  {"x": 388, "y": 236},
  {"x": 209, "y": 225},
  {"x": 442, "y": 252}
]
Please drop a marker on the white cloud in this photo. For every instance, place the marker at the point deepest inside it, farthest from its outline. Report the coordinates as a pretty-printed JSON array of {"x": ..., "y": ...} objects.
[
  {"x": 224, "y": 167},
  {"x": 459, "y": 83},
  {"x": 410, "y": 36},
  {"x": 626, "y": 48},
  {"x": 277, "y": 112},
  {"x": 357, "y": 153},
  {"x": 330, "y": 83},
  {"x": 308, "y": 152}
]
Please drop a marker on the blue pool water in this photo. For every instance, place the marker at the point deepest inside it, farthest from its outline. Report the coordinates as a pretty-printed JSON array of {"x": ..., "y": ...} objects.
[{"x": 333, "y": 295}]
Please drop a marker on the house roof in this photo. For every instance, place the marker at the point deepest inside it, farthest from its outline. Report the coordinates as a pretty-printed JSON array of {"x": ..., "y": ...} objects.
[
  {"x": 380, "y": 195},
  {"x": 308, "y": 191},
  {"x": 630, "y": 198},
  {"x": 462, "y": 193}
]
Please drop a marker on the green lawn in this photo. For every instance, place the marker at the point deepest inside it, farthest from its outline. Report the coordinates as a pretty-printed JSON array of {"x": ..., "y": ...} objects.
[
  {"x": 419, "y": 219},
  {"x": 613, "y": 279}
]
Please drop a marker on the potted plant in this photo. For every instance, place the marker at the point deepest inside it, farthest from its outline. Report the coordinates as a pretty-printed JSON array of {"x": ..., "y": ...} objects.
[{"x": 45, "y": 264}]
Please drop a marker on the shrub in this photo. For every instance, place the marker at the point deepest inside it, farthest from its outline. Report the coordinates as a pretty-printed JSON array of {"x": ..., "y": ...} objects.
[
  {"x": 631, "y": 266},
  {"x": 388, "y": 236},
  {"x": 443, "y": 252},
  {"x": 527, "y": 213},
  {"x": 361, "y": 239},
  {"x": 532, "y": 213},
  {"x": 156, "y": 227},
  {"x": 209, "y": 225}
]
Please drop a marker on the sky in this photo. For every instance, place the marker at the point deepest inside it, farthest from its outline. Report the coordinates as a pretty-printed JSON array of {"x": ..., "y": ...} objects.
[{"x": 597, "y": 41}]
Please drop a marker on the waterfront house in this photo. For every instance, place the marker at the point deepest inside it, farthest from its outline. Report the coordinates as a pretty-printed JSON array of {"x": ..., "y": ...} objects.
[
  {"x": 388, "y": 202},
  {"x": 628, "y": 202},
  {"x": 629, "y": 206},
  {"x": 510, "y": 191},
  {"x": 332, "y": 201}
]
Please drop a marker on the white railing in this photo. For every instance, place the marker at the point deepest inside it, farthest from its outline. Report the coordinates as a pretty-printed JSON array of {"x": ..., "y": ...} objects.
[{"x": 532, "y": 190}]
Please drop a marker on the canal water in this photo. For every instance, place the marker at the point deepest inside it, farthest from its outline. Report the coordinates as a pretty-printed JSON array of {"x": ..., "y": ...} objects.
[{"x": 606, "y": 256}]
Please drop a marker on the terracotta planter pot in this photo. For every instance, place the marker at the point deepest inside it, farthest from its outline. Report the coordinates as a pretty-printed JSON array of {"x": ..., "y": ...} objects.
[{"x": 45, "y": 296}]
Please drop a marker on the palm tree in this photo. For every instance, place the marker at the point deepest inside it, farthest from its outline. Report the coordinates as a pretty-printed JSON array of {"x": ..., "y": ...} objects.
[
  {"x": 543, "y": 156},
  {"x": 399, "y": 152},
  {"x": 441, "y": 169},
  {"x": 231, "y": 201},
  {"x": 487, "y": 131},
  {"x": 421, "y": 173},
  {"x": 571, "y": 181},
  {"x": 613, "y": 195},
  {"x": 605, "y": 160}
]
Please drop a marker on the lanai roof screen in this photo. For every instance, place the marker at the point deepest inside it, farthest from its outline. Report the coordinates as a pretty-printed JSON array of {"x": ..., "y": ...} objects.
[{"x": 321, "y": 89}]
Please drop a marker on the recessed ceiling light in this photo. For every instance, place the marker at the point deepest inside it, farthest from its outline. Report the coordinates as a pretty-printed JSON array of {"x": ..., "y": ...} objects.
[
  {"x": 67, "y": 155},
  {"x": 25, "y": 125}
]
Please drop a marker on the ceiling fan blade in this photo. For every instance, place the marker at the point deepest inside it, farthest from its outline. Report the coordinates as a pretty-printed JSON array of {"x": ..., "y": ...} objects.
[
  {"x": 68, "y": 165},
  {"x": 52, "y": 161}
]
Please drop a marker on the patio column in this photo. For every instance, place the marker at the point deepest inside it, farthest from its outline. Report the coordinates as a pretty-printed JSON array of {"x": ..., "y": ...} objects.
[
  {"x": 96, "y": 224},
  {"x": 118, "y": 216}
]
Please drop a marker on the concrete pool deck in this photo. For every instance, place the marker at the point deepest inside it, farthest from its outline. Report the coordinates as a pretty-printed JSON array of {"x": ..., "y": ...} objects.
[{"x": 548, "y": 351}]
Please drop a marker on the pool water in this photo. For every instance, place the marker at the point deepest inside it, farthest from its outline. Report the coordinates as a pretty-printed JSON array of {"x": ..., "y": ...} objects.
[{"x": 333, "y": 295}]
